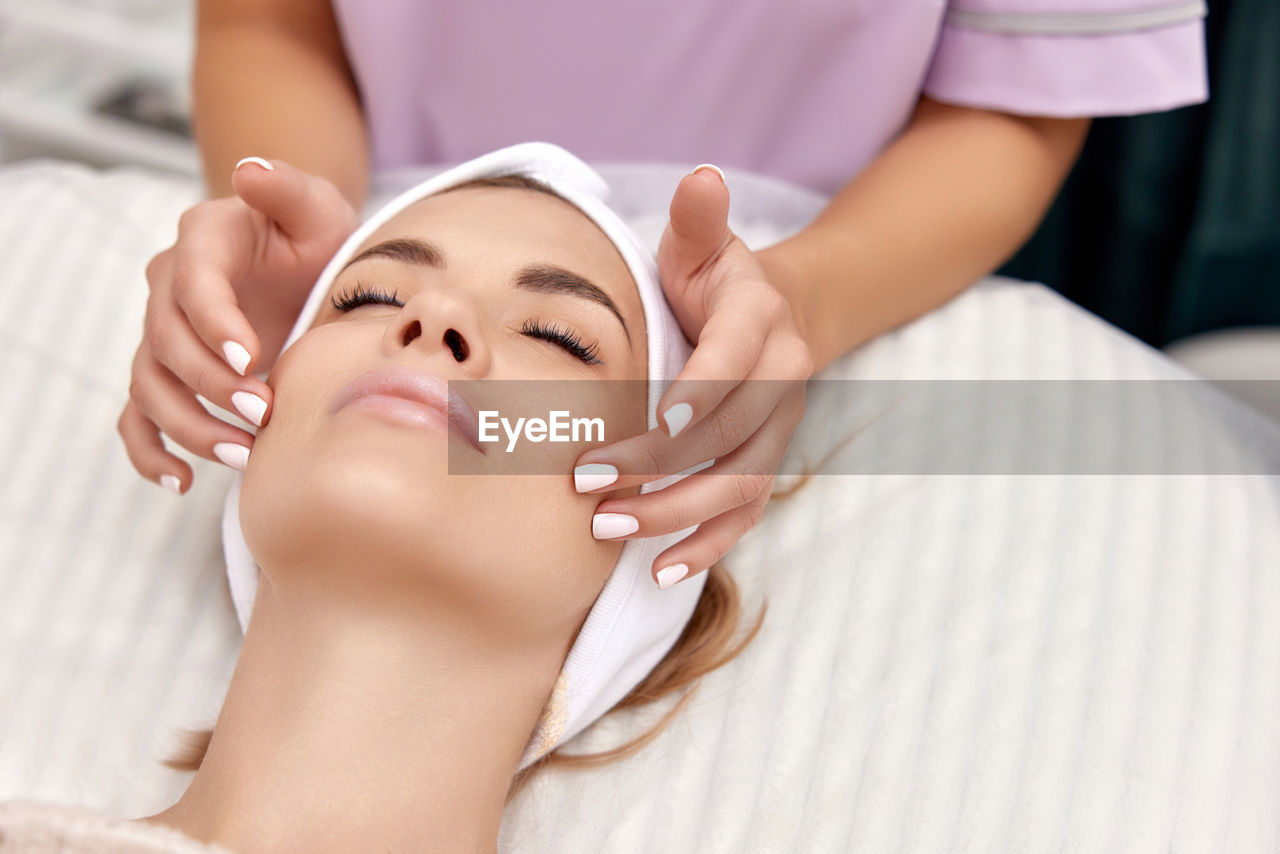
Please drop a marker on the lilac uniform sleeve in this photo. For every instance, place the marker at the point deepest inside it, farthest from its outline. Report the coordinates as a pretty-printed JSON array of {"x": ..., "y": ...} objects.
[{"x": 1070, "y": 58}]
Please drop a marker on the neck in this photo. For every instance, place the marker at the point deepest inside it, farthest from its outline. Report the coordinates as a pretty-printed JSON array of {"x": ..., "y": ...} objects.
[{"x": 350, "y": 728}]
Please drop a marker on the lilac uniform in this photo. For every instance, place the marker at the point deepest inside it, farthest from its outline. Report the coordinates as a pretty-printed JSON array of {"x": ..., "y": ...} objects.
[{"x": 808, "y": 91}]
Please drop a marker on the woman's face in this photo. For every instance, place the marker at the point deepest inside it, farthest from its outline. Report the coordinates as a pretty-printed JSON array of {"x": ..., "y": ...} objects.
[{"x": 359, "y": 498}]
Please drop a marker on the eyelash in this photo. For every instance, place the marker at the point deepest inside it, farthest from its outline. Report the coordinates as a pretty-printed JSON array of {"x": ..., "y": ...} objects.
[
  {"x": 564, "y": 338},
  {"x": 586, "y": 353},
  {"x": 359, "y": 296}
]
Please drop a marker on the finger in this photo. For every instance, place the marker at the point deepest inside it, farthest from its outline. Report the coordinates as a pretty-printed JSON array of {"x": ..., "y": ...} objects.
[
  {"x": 300, "y": 204},
  {"x": 728, "y": 348},
  {"x": 211, "y": 249},
  {"x": 736, "y": 479},
  {"x": 170, "y": 405},
  {"x": 174, "y": 344},
  {"x": 653, "y": 454},
  {"x": 146, "y": 450},
  {"x": 698, "y": 228},
  {"x": 712, "y": 541}
]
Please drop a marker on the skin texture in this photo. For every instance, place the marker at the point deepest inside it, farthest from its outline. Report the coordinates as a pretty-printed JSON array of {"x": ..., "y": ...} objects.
[{"x": 410, "y": 624}]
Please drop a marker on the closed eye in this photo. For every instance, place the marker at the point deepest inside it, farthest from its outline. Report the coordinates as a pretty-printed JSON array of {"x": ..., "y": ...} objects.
[
  {"x": 359, "y": 296},
  {"x": 564, "y": 338}
]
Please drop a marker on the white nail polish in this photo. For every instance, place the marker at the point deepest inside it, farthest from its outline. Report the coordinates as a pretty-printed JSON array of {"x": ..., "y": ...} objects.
[
  {"x": 606, "y": 526},
  {"x": 171, "y": 483},
  {"x": 593, "y": 476},
  {"x": 669, "y": 575},
  {"x": 250, "y": 406},
  {"x": 719, "y": 171},
  {"x": 677, "y": 418},
  {"x": 237, "y": 356},
  {"x": 236, "y": 456},
  {"x": 258, "y": 160}
]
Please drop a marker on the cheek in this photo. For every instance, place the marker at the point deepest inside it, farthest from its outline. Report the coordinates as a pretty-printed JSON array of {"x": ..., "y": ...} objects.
[
  {"x": 540, "y": 544},
  {"x": 279, "y": 461},
  {"x": 556, "y": 519},
  {"x": 541, "y": 427}
]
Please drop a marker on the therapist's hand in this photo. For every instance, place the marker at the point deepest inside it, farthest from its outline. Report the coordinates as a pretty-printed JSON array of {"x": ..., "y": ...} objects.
[
  {"x": 738, "y": 399},
  {"x": 223, "y": 299}
]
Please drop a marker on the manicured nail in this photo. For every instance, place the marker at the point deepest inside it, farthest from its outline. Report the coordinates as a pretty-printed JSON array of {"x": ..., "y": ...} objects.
[
  {"x": 606, "y": 526},
  {"x": 236, "y": 456},
  {"x": 250, "y": 406},
  {"x": 677, "y": 418},
  {"x": 593, "y": 476},
  {"x": 237, "y": 356},
  {"x": 171, "y": 483},
  {"x": 669, "y": 575},
  {"x": 719, "y": 171},
  {"x": 258, "y": 160}
]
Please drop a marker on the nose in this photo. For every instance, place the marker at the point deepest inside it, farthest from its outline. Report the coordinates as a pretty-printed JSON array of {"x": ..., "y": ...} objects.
[{"x": 442, "y": 320}]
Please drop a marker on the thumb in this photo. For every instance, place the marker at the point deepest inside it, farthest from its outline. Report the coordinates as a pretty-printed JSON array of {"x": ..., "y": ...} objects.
[
  {"x": 304, "y": 206},
  {"x": 699, "y": 226}
]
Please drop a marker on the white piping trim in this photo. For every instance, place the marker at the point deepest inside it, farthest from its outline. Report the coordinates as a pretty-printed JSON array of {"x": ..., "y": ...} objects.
[{"x": 1077, "y": 23}]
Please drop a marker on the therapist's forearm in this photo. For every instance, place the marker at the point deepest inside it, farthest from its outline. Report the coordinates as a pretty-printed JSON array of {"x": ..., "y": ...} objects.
[
  {"x": 258, "y": 91},
  {"x": 953, "y": 197}
]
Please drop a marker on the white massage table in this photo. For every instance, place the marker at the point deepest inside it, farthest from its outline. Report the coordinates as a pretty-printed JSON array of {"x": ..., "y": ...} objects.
[{"x": 950, "y": 663}]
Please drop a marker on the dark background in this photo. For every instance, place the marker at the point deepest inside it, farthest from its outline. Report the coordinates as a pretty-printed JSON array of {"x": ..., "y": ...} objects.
[{"x": 1169, "y": 224}]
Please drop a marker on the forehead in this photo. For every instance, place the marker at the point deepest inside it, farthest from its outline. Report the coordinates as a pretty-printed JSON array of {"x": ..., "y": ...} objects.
[{"x": 475, "y": 225}]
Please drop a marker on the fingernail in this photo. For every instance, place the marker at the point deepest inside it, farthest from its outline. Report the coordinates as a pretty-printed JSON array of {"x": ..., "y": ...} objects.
[
  {"x": 606, "y": 526},
  {"x": 250, "y": 406},
  {"x": 171, "y": 483},
  {"x": 236, "y": 456},
  {"x": 719, "y": 171},
  {"x": 237, "y": 356},
  {"x": 258, "y": 160},
  {"x": 669, "y": 575},
  {"x": 593, "y": 476},
  {"x": 677, "y": 418}
]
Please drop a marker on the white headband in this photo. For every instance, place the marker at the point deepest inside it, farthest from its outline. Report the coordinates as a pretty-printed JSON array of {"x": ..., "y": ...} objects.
[{"x": 633, "y": 623}]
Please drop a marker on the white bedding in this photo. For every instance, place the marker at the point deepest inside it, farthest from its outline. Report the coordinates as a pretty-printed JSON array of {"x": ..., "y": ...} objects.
[{"x": 961, "y": 663}]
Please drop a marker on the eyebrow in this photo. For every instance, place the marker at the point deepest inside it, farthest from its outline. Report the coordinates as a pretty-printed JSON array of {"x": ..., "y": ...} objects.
[{"x": 538, "y": 278}]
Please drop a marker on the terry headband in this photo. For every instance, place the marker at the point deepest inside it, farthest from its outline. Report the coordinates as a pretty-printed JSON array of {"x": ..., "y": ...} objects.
[{"x": 633, "y": 622}]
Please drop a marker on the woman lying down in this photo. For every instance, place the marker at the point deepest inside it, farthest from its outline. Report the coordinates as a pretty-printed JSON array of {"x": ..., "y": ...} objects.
[{"x": 419, "y": 642}]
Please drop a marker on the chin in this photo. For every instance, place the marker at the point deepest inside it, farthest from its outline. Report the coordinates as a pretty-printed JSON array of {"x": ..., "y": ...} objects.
[
  {"x": 375, "y": 515},
  {"x": 364, "y": 515}
]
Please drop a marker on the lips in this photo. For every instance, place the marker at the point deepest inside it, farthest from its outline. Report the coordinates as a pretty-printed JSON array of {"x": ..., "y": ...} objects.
[{"x": 419, "y": 387}]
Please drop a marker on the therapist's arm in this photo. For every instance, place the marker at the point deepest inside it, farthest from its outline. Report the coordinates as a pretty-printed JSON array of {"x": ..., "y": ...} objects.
[
  {"x": 271, "y": 79},
  {"x": 952, "y": 198}
]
